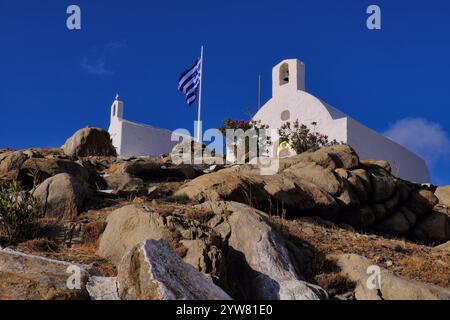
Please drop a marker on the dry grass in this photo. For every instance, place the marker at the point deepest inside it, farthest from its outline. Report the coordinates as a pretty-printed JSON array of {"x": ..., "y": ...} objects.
[
  {"x": 94, "y": 223},
  {"x": 334, "y": 283},
  {"x": 93, "y": 231},
  {"x": 38, "y": 245},
  {"x": 402, "y": 257},
  {"x": 83, "y": 254}
]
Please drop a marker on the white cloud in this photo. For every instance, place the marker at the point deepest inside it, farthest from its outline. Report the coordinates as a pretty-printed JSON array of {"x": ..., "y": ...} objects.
[
  {"x": 427, "y": 139},
  {"x": 95, "y": 63},
  {"x": 96, "y": 67}
]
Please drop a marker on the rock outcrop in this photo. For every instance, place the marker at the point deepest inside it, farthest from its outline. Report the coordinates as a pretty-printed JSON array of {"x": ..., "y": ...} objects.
[
  {"x": 153, "y": 271},
  {"x": 89, "y": 142},
  {"x": 391, "y": 287},
  {"x": 29, "y": 277},
  {"x": 260, "y": 263},
  {"x": 132, "y": 224},
  {"x": 433, "y": 227},
  {"x": 61, "y": 196},
  {"x": 10, "y": 164},
  {"x": 153, "y": 169},
  {"x": 102, "y": 288},
  {"x": 124, "y": 183},
  {"x": 331, "y": 183},
  {"x": 36, "y": 170},
  {"x": 443, "y": 194}
]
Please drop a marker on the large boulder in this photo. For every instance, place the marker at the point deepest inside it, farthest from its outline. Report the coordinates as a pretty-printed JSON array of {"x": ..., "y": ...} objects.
[
  {"x": 286, "y": 192},
  {"x": 324, "y": 178},
  {"x": 124, "y": 183},
  {"x": 152, "y": 270},
  {"x": 379, "y": 163},
  {"x": 126, "y": 227},
  {"x": 61, "y": 196},
  {"x": 149, "y": 168},
  {"x": 89, "y": 142},
  {"x": 434, "y": 227},
  {"x": 422, "y": 201},
  {"x": 360, "y": 217},
  {"x": 271, "y": 193},
  {"x": 228, "y": 184},
  {"x": 10, "y": 164},
  {"x": 384, "y": 184},
  {"x": 333, "y": 157},
  {"x": 132, "y": 224},
  {"x": 29, "y": 277},
  {"x": 443, "y": 194},
  {"x": 392, "y": 287},
  {"x": 259, "y": 262},
  {"x": 398, "y": 223},
  {"x": 36, "y": 170}
]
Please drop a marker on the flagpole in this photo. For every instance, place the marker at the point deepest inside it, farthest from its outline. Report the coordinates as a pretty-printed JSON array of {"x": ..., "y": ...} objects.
[{"x": 200, "y": 96}]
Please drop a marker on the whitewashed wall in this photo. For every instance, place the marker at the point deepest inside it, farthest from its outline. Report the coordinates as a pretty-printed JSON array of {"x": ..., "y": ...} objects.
[
  {"x": 142, "y": 140},
  {"x": 135, "y": 139},
  {"x": 408, "y": 165}
]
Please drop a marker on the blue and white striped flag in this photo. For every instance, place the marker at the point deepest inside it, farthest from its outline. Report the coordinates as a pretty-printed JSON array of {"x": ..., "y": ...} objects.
[{"x": 189, "y": 82}]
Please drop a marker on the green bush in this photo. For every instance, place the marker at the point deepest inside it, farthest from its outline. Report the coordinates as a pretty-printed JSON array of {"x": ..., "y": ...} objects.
[{"x": 19, "y": 212}]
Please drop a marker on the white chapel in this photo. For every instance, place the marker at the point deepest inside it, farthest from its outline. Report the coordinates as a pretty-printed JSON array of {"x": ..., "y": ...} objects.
[
  {"x": 137, "y": 139},
  {"x": 290, "y": 102}
]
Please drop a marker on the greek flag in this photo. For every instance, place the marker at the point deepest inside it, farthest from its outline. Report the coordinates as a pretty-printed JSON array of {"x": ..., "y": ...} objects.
[{"x": 189, "y": 82}]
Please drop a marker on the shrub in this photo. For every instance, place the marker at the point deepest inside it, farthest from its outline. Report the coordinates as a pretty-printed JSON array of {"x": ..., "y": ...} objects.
[
  {"x": 257, "y": 136},
  {"x": 300, "y": 137},
  {"x": 19, "y": 212}
]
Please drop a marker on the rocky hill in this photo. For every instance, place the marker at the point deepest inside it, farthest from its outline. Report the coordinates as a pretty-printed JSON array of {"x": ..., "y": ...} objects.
[{"x": 145, "y": 228}]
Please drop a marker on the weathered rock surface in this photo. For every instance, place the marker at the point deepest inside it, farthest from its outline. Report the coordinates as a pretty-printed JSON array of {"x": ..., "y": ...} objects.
[
  {"x": 61, "y": 196},
  {"x": 380, "y": 163},
  {"x": 443, "y": 246},
  {"x": 89, "y": 142},
  {"x": 443, "y": 194},
  {"x": 40, "y": 169},
  {"x": 433, "y": 227},
  {"x": 149, "y": 169},
  {"x": 28, "y": 277},
  {"x": 102, "y": 288},
  {"x": 152, "y": 270},
  {"x": 125, "y": 183},
  {"x": 133, "y": 224},
  {"x": 393, "y": 287},
  {"x": 260, "y": 265},
  {"x": 10, "y": 164}
]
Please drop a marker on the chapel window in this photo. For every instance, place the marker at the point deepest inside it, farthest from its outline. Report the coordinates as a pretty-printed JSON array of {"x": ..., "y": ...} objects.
[
  {"x": 285, "y": 115},
  {"x": 284, "y": 74}
]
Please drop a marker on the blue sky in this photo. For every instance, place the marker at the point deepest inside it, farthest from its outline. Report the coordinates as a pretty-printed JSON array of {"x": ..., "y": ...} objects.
[{"x": 54, "y": 81}]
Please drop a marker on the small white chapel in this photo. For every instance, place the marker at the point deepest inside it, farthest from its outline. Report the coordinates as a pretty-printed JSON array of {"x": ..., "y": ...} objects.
[
  {"x": 137, "y": 139},
  {"x": 290, "y": 102}
]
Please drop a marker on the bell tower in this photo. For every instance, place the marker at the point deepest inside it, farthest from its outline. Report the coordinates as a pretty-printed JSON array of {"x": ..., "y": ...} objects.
[
  {"x": 288, "y": 75},
  {"x": 117, "y": 109}
]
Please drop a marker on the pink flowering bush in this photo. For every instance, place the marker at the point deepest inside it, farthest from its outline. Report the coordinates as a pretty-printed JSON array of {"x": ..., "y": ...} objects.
[{"x": 300, "y": 137}]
